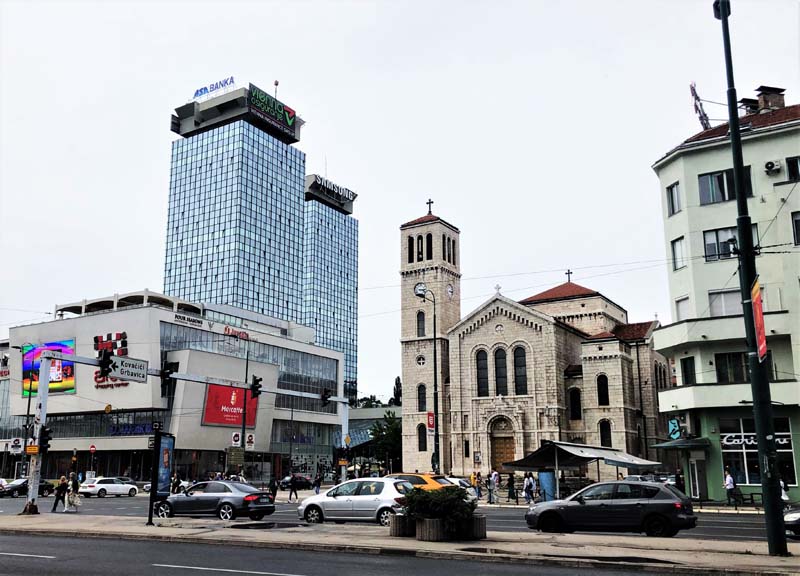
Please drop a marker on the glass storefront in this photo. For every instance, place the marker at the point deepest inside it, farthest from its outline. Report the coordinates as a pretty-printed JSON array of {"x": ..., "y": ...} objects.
[{"x": 740, "y": 450}]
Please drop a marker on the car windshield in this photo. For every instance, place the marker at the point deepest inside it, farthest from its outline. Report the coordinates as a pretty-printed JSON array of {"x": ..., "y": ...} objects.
[
  {"x": 442, "y": 480},
  {"x": 244, "y": 487},
  {"x": 18, "y": 481}
]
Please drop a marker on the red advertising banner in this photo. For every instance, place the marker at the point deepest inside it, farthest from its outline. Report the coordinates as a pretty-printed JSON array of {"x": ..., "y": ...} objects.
[
  {"x": 758, "y": 319},
  {"x": 431, "y": 421},
  {"x": 224, "y": 406}
]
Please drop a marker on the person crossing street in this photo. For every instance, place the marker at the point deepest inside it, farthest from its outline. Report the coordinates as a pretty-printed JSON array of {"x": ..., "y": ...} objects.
[{"x": 61, "y": 494}]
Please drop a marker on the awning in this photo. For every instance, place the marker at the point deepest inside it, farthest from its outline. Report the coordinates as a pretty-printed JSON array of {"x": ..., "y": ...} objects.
[
  {"x": 685, "y": 444},
  {"x": 567, "y": 455}
]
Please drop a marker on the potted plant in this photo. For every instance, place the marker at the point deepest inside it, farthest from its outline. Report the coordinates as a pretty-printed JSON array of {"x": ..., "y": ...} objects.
[{"x": 444, "y": 514}]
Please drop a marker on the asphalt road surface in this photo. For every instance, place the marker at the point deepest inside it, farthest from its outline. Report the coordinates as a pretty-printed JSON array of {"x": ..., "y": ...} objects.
[
  {"x": 71, "y": 556},
  {"x": 732, "y": 527}
]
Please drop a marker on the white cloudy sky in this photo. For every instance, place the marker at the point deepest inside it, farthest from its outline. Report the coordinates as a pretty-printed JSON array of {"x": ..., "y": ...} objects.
[{"x": 532, "y": 125}]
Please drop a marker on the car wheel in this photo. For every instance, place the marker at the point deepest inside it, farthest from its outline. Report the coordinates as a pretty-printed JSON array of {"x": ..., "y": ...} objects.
[
  {"x": 384, "y": 516},
  {"x": 226, "y": 512},
  {"x": 101, "y": 493},
  {"x": 550, "y": 523},
  {"x": 256, "y": 516},
  {"x": 132, "y": 492},
  {"x": 657, "y": 526},
  {"x": 164, "y": 510},
  {"x": 313, "y": 515}
]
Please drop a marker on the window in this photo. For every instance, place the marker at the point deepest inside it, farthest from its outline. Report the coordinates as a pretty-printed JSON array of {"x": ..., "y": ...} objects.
[
  {"x": 725, "y": 303},
  {"x": 370, "y": 488},
  {"x": 635, "y": 492},
  {"x": 444, "y": 247},
  {"x": 796, "y": 227},
  {"x": 673, "y": 199},
  {"x": 466, "y": 449},
  {"x": 520, "y": 372},
  {"x": 681, "y": 309},
  {"x": 687, "y": 371},
  {"x": 740, "y": 450},
  {"x": 410, "y": 249},
  {"x": 419, "y": 248},
  {"x": 482, "y": 363},
  {"x": 718, "y": 186},
  {"x": 500, "y": 373},
  {"x": 602, "y": 390},
  {"x": 422, "y": 438},
  {"x": 420, "y": 324},
  {"x": 575, "y": 411},
  {"x": 449, "y": 250},
  {"x": 793, "y": 168},
  {"x": 605, "y": 433},
  {"x": 598, "y": 492},
  {"x": 347, "y": 489},
  {"x": 422, "y": 399},
  {"x": 429, "y": 247},
  {"x": 718, "y": 245},
  {"x": 453, "y": 260},
  {"x": 732, "y": 367},
  {"x": 678, "y": 253}
]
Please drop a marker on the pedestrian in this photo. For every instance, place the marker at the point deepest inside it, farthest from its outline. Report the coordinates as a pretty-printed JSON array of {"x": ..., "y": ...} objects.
[
  {"x": 534, "y": 488},
  {"x": 478, "y": 483},
  {"x": 273, "y": 488},
  {"x": 730, "y": 486},
  {"x": 74, "y": 497},
  {"x": 496, "y": 479},
  {"x": 490, "y": 487},
  {"x": 472, "y": 479},
  {"x": 679, "y": 483},
  {"x": 620, "y": 476},
  {"x": 293, "y": 488},
  {"x": 317, "y": 483},
  {"x": 784, "y": 494},
  {"x": 512, "y": 493},
  {"x": 61, "y": 494}
]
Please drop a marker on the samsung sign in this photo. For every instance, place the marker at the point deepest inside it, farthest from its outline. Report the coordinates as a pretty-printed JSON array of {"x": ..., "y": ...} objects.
[
  {"x": 335, "y": 196},
  {"x": 221, "y": 85}
]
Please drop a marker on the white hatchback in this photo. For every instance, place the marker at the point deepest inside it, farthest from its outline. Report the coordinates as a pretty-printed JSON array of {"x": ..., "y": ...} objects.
[
  {"x": 102, "y": 487},
  {"x": 365, "y": 499}
]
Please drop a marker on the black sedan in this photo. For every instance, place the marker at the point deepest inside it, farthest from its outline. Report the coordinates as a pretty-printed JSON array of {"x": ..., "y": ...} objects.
[
  {"x": 301, "y": 482},
  {"x": 19, "y": 487},
  {"x": 650, "y": 507},
  {"x": 226, "y": 500}
]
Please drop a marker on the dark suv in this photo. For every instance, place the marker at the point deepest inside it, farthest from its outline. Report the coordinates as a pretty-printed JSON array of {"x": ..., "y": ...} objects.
[{"x": 650, "y": 507}]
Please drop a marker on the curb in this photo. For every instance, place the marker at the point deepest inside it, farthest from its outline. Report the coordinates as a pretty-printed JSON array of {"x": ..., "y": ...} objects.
[{"x": 656, "y": 566}]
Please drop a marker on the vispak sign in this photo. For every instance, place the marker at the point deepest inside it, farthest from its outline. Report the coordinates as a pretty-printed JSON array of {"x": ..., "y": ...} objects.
[
  {"x": 272, "y": 111},
  {"x": 218, "y": 86}
]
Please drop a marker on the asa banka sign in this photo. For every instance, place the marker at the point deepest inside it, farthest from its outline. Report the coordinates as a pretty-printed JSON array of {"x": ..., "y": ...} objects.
[{"x": 219, "y": 86}]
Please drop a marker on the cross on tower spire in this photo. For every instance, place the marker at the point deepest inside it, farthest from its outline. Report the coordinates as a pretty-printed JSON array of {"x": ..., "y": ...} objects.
[
  {"x": 429, "y": 203},
  {"x": 569, "y": 274}
]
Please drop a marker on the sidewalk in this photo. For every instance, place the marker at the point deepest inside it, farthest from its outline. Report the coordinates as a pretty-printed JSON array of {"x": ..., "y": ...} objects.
[{"x": 656, "y": 555}]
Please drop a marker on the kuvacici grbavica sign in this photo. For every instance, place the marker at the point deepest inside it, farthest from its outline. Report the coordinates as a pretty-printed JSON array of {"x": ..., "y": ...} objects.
[{"x": 214, "y": 87}]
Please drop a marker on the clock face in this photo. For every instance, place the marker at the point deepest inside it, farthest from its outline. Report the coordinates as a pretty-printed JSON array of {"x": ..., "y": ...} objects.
[
  {"x": 420, "y": 289},
  {"x": 450, "y": 291}
]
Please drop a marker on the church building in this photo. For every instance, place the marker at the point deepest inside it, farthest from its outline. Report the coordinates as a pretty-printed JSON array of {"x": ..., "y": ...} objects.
[{"x": 564, "y": 364}]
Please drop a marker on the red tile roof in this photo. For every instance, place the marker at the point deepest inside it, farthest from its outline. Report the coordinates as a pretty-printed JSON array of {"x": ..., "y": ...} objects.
[
  {"x": 637, "y": 331},
  {"x": 773, "y": 118},
  {"x": 602, "y": 336},
  {"x": 428, "y": 218},
  {"x": 561, "y": 292}
]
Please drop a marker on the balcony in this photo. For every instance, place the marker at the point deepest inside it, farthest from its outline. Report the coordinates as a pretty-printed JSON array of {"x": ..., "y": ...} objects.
[
  {"x": 723, "y": 395},
  {"x": 718, "y": 328}
]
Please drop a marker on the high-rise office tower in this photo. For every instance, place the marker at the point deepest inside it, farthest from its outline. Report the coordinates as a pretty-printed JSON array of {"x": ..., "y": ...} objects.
[
  {"x": 236, "y": 202},
  {"x": 330, "y": 279}
]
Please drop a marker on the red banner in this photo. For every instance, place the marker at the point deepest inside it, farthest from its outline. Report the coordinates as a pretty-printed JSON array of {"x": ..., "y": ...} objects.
[
  {"x": 431, "y": 421},
  {"x": 224, "y": 406},
  {"x": 758, "y": 319}
]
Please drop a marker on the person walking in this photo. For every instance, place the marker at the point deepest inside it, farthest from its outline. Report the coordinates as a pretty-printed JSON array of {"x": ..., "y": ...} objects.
[
  {"x": 478, "y": 483},
  {"x": 61, "y": 494},
  {"x": 317, "y": 483},
  {"x": 496, "y": 479},
  {"x": 679, "y": 483},
  {"x": 512, "y": 493},
  {"x": 490, "y": 487},
  {"x": 74, "y": 492},
  {"x": 730, "y": 486},
  {"x": 293, "y": 488},
  {"x": 273, "y": 488}
]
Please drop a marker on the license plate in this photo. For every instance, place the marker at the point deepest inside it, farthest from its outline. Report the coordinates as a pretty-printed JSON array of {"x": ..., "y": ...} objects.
[{"x": 263, "y": 500}]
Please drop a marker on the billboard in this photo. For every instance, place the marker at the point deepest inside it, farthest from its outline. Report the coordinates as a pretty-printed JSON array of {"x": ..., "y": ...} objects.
[
  {"x": 62, "y": 372},
  {"x": 165, "y": 463},
  {"x": 223, "y": 406},
  {"x": 272, "y": 111}
]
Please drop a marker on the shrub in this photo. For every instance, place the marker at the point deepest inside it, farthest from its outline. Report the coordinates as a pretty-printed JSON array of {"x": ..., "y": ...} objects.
[{"x": 448, "y": 504}]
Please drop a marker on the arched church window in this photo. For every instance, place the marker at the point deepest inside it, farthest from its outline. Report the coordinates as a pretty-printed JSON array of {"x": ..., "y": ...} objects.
[
  {"x": 429, "y": 246},
  {"x": 444, "y": 247},
  {"x": 419, "y": 248},
  {"x": 500, "y": 373},
  {"x": 520, "y": 372},
  {"x": 449, "y": 250},
  {"x": 605, "y": 433},
  {"x": 422, "y": 399},
  {"x": 453, "y": 261},
  {"x": 575, "y": 409},
  {"x": 482, "y": 363},
  {"x": 422, "y": 438},
  {"x": 420, "y": 324},
  {"x": 410, "y": 249},
  {"x": 602, "y": 390}
]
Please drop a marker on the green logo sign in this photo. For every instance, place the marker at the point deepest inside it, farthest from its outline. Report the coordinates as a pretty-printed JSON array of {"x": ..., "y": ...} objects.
[{"x": 272, "y": 110}]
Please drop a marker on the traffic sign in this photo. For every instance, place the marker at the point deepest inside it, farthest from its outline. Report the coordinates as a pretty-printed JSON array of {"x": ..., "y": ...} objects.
[
  {"x": 31, "y": 449},
  {"x": 236, "y": 439},
  {"x": 92, "y": 449},
  {"x": 347, "y": 440},
  {"x": 158, "y": 425},
  {"x": 250, "y": 442},
  {"x": 151, "y": 442},
  {"x": 131, "y": 369},
  {"x": 15, "y": 446}
]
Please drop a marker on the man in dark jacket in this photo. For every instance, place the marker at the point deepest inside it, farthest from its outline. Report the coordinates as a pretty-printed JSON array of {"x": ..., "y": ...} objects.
[
  {"x": 61, "y": 494},
  {"x": 293, "y": 488}
]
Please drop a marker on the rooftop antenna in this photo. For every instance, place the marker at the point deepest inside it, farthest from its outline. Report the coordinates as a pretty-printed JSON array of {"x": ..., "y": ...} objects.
[
  {"x": 276, "y": 89},
  {"x": 698, "y": 107},
  {"x": 326, "y": 165}
]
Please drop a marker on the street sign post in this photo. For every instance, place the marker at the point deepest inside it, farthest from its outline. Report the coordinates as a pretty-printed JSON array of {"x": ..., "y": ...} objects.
[
  {"x": 92, "y": 449},
  {"x": 15, "y": 446},
  {"x": 250, "y": 442},
  {"x": 131, "y": 369},
  {"x": 236, "y": 439}
]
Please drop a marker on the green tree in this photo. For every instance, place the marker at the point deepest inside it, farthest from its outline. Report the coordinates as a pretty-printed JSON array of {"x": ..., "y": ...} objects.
[
  {"x": 397, "y": 395},
  {"x": 369, "y": 402},
  {"x": 387, "y": 434}
]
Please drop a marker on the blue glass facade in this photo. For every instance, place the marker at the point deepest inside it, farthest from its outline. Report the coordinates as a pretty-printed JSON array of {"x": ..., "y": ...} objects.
[
  {"x": 235, "y": 221},
  {"x": 330, "y": 283}
]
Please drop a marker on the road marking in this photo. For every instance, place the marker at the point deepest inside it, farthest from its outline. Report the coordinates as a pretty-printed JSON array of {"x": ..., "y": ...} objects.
[
  {"x": 227, "y": 570},
  {"x": 26, "y": 555}
]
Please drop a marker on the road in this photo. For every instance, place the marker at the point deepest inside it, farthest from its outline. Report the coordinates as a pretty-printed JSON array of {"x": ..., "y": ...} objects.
[
  {"x": 732, "y": 527},
  {"x": 70, "y": 556}
]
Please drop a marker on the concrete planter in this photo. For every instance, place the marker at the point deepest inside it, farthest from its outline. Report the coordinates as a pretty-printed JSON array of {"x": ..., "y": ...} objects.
[
  {"x": 431, "y": 530},
  {"x": 402, "y": 526},
  {"x": 474, "y": 530}
]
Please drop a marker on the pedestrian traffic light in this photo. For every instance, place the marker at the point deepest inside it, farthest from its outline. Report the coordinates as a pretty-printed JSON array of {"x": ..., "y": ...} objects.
[
  {"x": 106, "y": 357},
  {"x": 255, "y": 387},
  {"x": 45, "y": 435},
  {"x": 326, "y": 396},
  {"x": 167, "y": 381}
]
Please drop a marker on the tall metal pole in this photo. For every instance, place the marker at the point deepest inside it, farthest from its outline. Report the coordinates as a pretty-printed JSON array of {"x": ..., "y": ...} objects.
[
  {"x": 34, "y": 468},
  {"x": 244, "y": 399},
  {"x": 759, "y": 380},
  {"x": 437, "y": 463}
]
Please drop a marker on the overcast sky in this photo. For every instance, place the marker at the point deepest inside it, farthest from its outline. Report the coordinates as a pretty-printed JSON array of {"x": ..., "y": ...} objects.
[{"x": 532, "y": 125}]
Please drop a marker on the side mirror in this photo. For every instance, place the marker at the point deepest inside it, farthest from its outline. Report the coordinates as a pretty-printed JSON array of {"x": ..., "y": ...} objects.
[{"x": 580, "y": 500}]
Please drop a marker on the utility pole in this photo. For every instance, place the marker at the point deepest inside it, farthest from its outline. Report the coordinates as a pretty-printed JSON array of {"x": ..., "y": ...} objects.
[
  {"x": 244, "y": 398},
  {"x": 759, "y": 380},
  {"x": 39, "y": 420}
]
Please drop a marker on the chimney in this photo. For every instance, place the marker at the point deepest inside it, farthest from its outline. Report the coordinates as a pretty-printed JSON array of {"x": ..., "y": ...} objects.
[
  {"x": 770, "y": 98},
  {"x": 749, "y": 105}
]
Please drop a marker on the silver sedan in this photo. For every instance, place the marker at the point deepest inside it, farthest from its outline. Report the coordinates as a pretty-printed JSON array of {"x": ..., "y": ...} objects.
[{"x": 366, "y": 500}]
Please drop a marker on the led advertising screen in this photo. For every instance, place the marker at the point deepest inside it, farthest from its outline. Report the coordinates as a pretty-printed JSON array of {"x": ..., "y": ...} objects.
[
  {"x": 165, "y": 463},
  {"x": 62, "y": 373},
  {"x": 224, "y": 406}
]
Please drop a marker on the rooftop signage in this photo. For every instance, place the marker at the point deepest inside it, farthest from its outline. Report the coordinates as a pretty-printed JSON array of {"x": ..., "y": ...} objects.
[
  {"x": 272, "y": 110},
  {"x": 332, "y": 194},
  {"x": 220, "y": 85}
]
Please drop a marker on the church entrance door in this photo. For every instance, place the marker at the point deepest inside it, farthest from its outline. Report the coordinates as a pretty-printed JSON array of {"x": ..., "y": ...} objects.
[{"x": 502, "y": 443}]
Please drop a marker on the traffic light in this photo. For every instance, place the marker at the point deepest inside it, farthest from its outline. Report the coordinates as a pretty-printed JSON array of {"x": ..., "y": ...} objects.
[
  {"x": 167, "y": 381},
  {"x": 255, "y": 387},
  {"x": 45, "y": 435},
  {"x": 326, "y": 396},
  {"x": 106, "y": 357}
]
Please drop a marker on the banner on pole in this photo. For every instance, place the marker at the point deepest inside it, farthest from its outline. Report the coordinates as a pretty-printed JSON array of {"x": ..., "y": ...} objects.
[{"x": 758, "y": 320}]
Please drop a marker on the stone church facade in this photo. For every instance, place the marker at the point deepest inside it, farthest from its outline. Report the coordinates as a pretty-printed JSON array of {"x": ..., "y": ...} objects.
[{"x": 563, "y": 364}]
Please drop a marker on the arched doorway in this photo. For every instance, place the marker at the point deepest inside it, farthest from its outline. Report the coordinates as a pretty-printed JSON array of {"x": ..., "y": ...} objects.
[{"x": 502, "y": 441}]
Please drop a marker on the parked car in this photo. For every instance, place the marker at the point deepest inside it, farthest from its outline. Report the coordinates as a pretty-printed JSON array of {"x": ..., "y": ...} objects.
[
  {"x": 126, "y": 480},
  {"x": 791, "y": 519},
  {"x": 472, "y": 494},
  {"x": 184, "y": 485},
  {"x": 364, "y": 499},
  {"x": 102, "y": 487},
  {"x": 225, "y": 499},
  {"x": 641, "y": 478},
  {"x": 303, "y": 482},
  {"x": 650, "y": 507},
  {"x": 19, "y": 487},
  {"x": 424, "y": 481}
]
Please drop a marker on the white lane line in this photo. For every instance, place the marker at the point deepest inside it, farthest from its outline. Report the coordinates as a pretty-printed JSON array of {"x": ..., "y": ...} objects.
[
  {"x": 26, "y": 555},
  {"x": 227, "y": 570}
]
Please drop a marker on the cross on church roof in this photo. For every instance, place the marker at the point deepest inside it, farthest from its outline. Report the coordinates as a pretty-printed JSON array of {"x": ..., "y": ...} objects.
[
  {"x": 569, "y": 274},
  {"x": 497, "y": 288},
  {"x": 429, "y": 203}
]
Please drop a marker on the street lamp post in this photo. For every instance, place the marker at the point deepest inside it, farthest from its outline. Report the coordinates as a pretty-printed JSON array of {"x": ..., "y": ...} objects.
[{"x": 421, "y": 291}]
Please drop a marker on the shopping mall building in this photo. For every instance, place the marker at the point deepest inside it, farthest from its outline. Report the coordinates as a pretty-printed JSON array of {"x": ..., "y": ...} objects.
[{"x": 106, "y": 423}]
